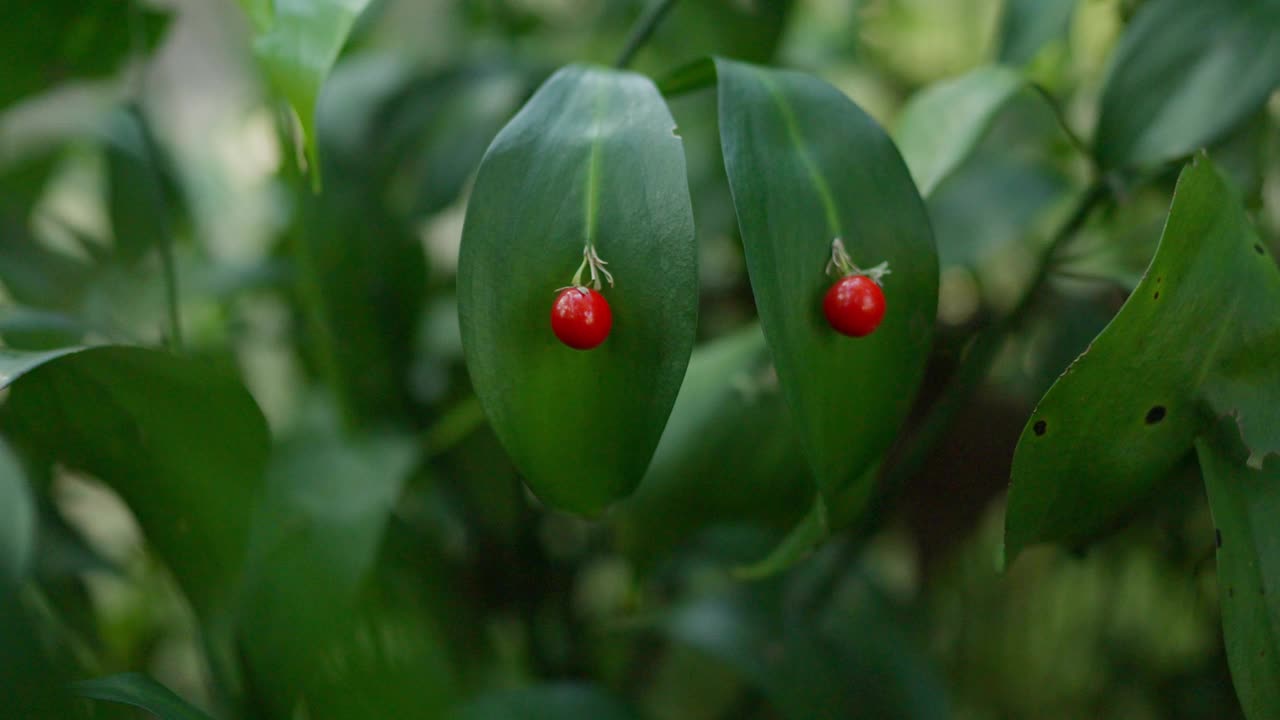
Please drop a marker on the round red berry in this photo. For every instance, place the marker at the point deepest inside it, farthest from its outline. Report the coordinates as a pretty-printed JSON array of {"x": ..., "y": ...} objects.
[
  {"x": 854, "y": 305},
  {"x": 581, "y": 318}
]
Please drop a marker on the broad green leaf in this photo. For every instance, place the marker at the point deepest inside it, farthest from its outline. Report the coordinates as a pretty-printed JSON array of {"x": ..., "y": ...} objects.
[
  {"x": 545, "y": 702},
  {"x": 591, "y": 159},
  {"x": 139, "y": 691},
  {"x": 17, "y": 521},
  {"x": 728, "y": 454},
  {"x": 181, "y": 441},
  {"x": 57, "y": 40},
  {"x": 1246, "y": 504},
  {"x": 1126, "y": 412},
  {"x": 943, "y": 124},
  {"x": 1184, "y": 74},
  {"x": 1028, "y": 25},
  {"x": 297, "y": 43},
  {"x": 806, "y": 166},
  {"x": 327, "y": 502}
]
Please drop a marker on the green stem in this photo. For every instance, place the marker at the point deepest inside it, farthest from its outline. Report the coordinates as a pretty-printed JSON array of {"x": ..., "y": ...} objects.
[
  {"x": 151, "y": 154},
  {"x": 642, "y": 30},
  {"x": 1061, "y": 117},
  {"x": 454, "y": 426},
  {"x": 981, "y": 353}
]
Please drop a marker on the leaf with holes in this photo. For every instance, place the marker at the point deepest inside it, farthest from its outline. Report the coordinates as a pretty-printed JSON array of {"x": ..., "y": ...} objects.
[
  {"x": 182, "y": 442},
  {"x": 591, "y": 160},
  {"x": 1246, "y": 502},
  {"x": 807, "y": 166},
  {"x": 297, "y": 43},
  {"x": 1184, "y": 74},
  {"x": 1127, "y": 411},
  {"x": 944, "y": 123}
]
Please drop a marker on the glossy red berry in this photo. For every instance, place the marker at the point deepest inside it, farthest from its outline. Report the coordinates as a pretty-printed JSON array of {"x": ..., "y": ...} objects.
[
  {"x": 581, "y": 318},
  {"x": 854, "y": 305}
]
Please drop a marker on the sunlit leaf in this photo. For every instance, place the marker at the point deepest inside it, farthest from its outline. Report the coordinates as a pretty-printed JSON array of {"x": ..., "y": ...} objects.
[
  {"x": 591, "y": 159},
  {"x": 806, "y": 166},
  {"x": 139, "y": 691},
  {"x": 943, "y": 124},
  {"x": 297, "y": 43},
  {"x": 1126, "y": 412},
  {"x": 1184, "y": 74},
  {"x": 1246, "y": 504}
]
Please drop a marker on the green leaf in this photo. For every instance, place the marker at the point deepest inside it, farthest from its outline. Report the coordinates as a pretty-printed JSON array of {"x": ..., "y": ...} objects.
[
  {"x": 545, "y": 702},
  {"x": 857, "y": 662},
  {"x": 1246, "y": 503},
  {"x": 181, "y": 441},
  {"x": 17, "y": 521},
  {"x": 139, "y": 691},
  {"x": 942, "y": 125},
  {"x": 1029, "y": 25},
  {"x": 592, "y": 158},
  {"x": 1126, "y": 412},
  {"x": 58, "y": 40},
  {"x": 297, "y": 43},
  {"x": 728, "y": 453},
  {"x": 806, "y": 166},
  {"x": 1185, "y": 73},
  {"x": 326, "y": 506}
]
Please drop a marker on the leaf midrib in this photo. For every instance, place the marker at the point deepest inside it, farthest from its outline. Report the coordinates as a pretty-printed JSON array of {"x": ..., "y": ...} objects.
[{"x": 806, "y": 158}]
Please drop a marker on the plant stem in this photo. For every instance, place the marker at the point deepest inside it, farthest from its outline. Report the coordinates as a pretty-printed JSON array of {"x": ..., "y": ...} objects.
[
  {"x": 151, "y": 154},
  {"x": 981, "y": 353},
  {"x": 1061, "y": 117},
  {"x": 642, "y": 30}
]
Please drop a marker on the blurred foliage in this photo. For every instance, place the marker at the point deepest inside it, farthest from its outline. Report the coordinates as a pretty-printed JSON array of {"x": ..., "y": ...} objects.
[{"x": 267, "y": 490}]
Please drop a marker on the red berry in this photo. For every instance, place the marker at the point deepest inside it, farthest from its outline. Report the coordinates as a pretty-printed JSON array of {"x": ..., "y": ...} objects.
[
  {"x": 854, "y": 305},
  {"x": 581, "y": 318}
]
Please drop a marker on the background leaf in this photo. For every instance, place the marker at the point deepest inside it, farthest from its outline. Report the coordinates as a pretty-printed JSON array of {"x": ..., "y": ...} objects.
[
  {"x": 1125, "y": 413},
  {"x": 1185, "y": 73},
  {"x": 728, "y": 453},
  {"x": 299, "y": 48},
  {"x": 181, "y": 441},
  {"x": 590, "y": 146},
  {"x": 142, "y": 692},
  {"x": 17, "y": 521},
  {"x": 545, "y": 702},
  {"x": 943, "y": 124},
  {"x": 1246, "y": 503},
  {"x": 1028, "y": 25},
  {"x": 60, "y": 40},
  {"x": 806, "y": 166},
  {"x": 326, "y": 505}
]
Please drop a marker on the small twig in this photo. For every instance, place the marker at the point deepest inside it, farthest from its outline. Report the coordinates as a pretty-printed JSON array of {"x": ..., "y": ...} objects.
[
  {"x": 642, "y": 30},
  {"x": 1061, "y": 117},
  {"x": 981, "y": 352},
  {"x": 151, "y": 156}
]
